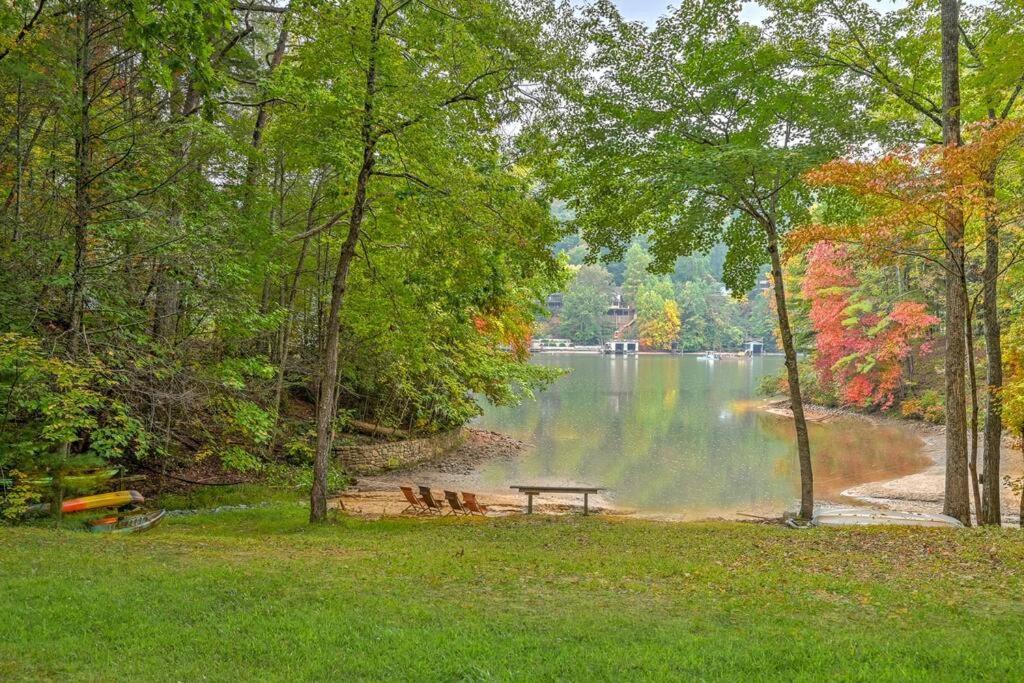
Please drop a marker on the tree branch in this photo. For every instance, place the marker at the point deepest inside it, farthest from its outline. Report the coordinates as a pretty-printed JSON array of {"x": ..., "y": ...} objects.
[{"x": 25, "y": 28}]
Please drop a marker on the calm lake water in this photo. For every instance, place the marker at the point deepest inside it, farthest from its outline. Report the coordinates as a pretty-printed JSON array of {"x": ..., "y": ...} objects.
[{"x": 676, "y": 434}]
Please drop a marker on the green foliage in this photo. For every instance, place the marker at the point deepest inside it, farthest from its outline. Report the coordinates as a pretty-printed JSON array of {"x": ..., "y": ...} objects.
[
  {"x": 585, "y": 305},
  {"x": 695, "y": 132},
  {"x": 57, "y": 418},
  {"x": 51, "y": 404},
  {"x": 237, "y": 459},
  {"x": 928, "y": 406},
  {"x": 167, "y": 243},
  {"x": 812, "y": 389},
  {"x": 16, "y": 495},
  {"x": 657, "y": 314},
  {"x": 637, "y": 273}
]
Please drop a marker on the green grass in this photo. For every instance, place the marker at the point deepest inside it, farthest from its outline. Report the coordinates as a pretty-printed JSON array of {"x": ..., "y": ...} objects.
[{"x": 260, "y": 595}]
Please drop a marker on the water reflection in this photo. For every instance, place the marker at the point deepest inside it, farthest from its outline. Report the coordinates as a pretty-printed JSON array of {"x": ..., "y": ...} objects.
[{"x": 678, "y": 434}]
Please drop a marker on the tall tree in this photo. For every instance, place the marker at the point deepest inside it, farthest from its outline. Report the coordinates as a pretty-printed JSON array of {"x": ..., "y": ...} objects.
[
  {"x": 175, "y": 175},
  {"x": 696, "y": 132},
  {"x": 903, "y": 57},
  {"x": 957, "y": 502},
  {"x": 585, "y": 305},
  {"x": 428, "y": 78}
]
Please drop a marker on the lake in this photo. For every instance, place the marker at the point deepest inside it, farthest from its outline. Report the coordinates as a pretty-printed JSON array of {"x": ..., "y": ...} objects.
[{"x": 678, "y": 434}]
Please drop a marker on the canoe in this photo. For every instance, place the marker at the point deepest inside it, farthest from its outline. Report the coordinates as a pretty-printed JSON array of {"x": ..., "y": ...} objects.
[
  {"x": 869, "y": 517},
  {"x": 84, "y": 480},
  {"x": 115, "y": 499},
  {"x": 126, "y": 525}
]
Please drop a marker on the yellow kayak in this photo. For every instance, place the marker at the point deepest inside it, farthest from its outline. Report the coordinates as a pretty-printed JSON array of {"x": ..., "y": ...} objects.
[{"x": 115, "y": 499}]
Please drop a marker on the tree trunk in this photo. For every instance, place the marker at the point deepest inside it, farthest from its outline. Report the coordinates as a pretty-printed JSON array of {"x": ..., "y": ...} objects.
[
  {"x": 167, "y": 296},
  {"x": 991, "y": 508},
  {"x": 329, "y": 358},
  {"x": 972, "y": 373},
  {"x": 1021, "y": 510},
  {"x": 285, "y": 337},
  {"x": 957, "y": 498},
  {"x": 167, "y": 285},
  {"x": 81, "y": 222},
  {"x": 793, "y": 377},
  {"x": 83, "y": 152},
  {"x": 252, "y": 170}
]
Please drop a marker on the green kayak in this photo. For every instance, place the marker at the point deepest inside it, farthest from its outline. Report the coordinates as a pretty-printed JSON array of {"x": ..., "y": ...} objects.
[{"x": 126, "y": 525}]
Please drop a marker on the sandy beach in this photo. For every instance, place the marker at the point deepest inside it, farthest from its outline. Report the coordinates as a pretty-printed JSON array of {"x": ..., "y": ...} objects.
[{"x": 921, "y": 491}]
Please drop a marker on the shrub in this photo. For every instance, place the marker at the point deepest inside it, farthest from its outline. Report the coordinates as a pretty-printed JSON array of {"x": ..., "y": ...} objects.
[
  {"x": 57, "y": 417},
  {"x": 811, "y": 389},
  {"x": 927, "y": 406}
]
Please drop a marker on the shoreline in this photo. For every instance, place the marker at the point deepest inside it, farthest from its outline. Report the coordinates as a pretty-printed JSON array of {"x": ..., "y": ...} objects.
[{"x": 920, "y": 491}]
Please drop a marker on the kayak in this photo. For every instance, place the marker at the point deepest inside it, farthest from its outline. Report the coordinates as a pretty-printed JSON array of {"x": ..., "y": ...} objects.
[
  {"x": 115, "y": 499},
  {"x": 85, "y": 480},
  {"x": 869, "y": 517},
  {"x": 126, "y": 525}
]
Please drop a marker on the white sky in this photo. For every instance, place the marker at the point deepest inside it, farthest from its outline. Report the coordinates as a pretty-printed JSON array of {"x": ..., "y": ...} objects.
[{"x": 648, "y": 10}]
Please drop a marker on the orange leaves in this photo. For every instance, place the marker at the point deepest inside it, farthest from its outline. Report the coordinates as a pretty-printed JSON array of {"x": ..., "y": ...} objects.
[
  {"x": 510, "y": 327},
  {"x": 901, "y": 197}
]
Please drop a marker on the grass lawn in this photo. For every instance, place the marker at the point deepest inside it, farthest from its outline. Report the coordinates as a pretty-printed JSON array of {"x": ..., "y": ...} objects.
[{"x": 259, "y": 594}]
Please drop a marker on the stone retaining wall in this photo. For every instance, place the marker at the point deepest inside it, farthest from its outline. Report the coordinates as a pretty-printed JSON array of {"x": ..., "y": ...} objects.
[{"x": 381, "y": 457}]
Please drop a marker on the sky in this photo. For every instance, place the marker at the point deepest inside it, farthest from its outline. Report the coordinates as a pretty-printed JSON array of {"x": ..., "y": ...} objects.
[{"x": 648, "y": 10}]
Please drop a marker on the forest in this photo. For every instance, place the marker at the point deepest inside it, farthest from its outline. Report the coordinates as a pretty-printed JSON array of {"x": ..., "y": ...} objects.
[
  {"x": 304, "y": 320},
  {"x": 232, "y": 231},
  {"x": 688, "y": 309}
]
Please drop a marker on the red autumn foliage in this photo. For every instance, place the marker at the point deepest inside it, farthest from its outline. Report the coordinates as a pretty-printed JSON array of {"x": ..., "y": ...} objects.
[{"x": 859, "y": 350}]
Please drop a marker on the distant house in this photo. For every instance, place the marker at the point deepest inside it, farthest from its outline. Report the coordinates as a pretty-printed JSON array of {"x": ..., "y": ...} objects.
[
  {"x": 754, "y": 348},
  {"x": 622, "y": 347}
]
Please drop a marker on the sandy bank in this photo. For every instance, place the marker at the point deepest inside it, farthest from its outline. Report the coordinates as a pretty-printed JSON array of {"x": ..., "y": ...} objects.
[{"x": 922, "y": 491}]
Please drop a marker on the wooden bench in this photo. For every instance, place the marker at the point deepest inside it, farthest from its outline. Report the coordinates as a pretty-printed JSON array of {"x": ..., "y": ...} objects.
[{"x": 532, "y": 491}]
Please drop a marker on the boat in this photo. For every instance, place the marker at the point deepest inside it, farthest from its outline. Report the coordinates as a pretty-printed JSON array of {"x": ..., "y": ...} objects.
[
  {"x": 126, "y": 525},
  {"x": 871, "y": 517},
  {"x": 83, "y": 480},
  {"x": 115, "y": 499}
]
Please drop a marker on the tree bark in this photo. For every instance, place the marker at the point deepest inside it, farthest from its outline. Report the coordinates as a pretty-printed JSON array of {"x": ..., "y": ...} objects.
[
  {"x": 83, "y": 152},
  {"x": 991, "y": 507},
  {"x": 793, "y": 376},
  {"x": 972, "y": 373},
  {"x": 1021, "y": 509},
  {"x": 166, "y": 282},
  {"x": 253, "y": 168},
  {"x": 286, "y": 328},
  {"x": 957, "y": 498},
  {"x": 329, "y": 358}
]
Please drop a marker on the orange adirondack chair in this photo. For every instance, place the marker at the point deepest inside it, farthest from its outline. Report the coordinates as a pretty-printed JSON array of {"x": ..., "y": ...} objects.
[
  {"x": 470, "y": 502},
  {"x": 415, "y": 504},
  {"x": 428, "y": 497},
  {"x": 454, "y": 503}
]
